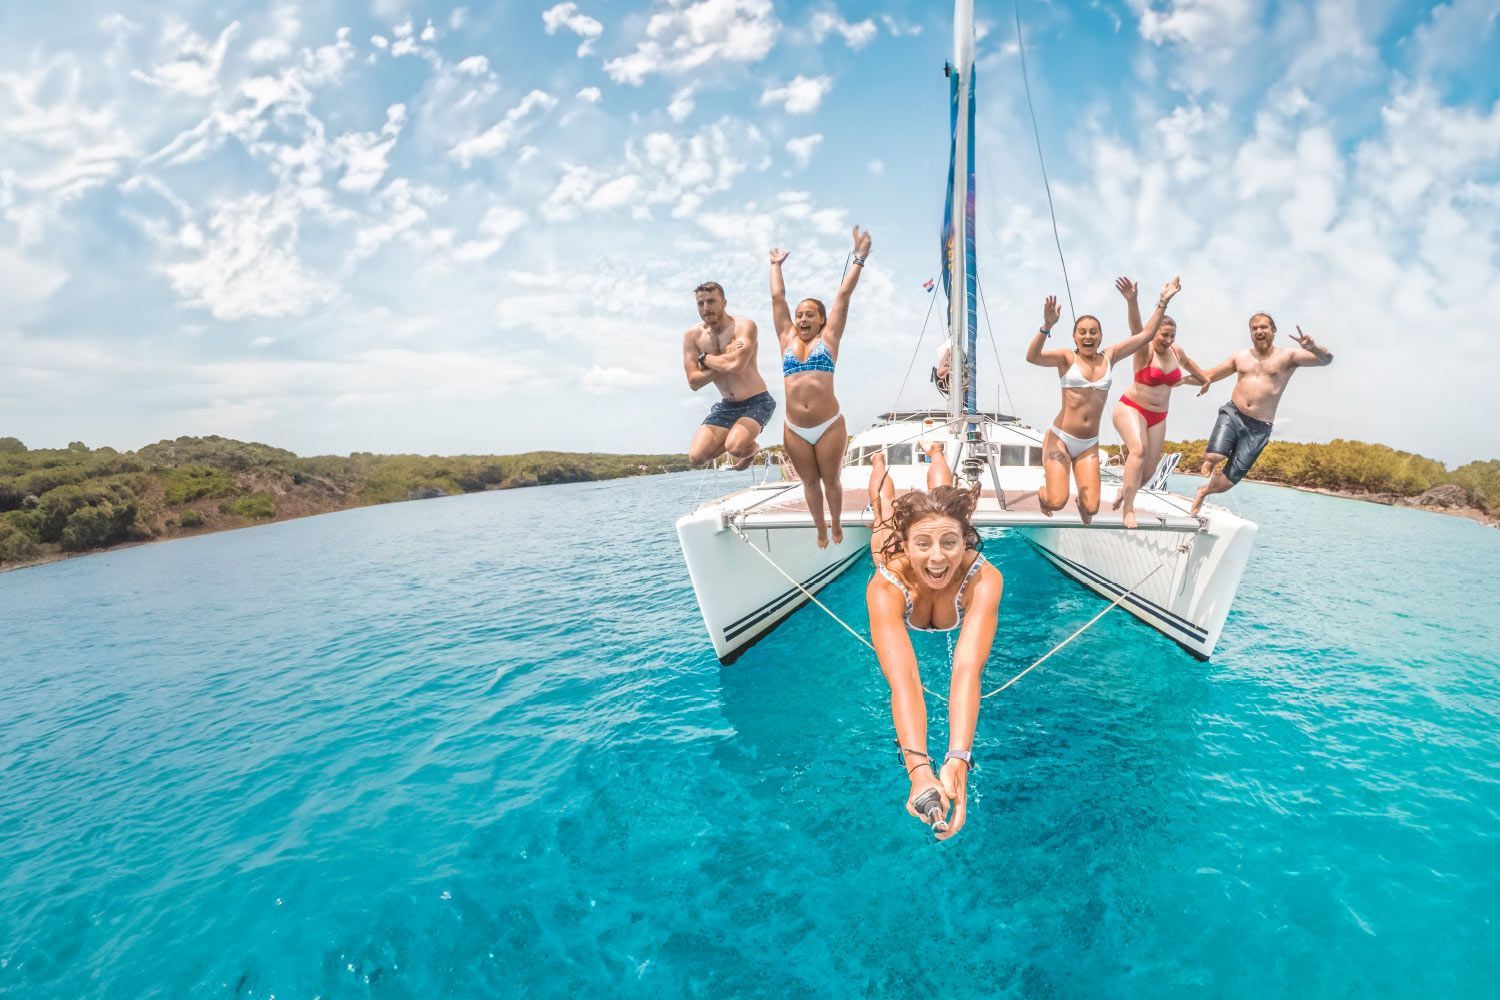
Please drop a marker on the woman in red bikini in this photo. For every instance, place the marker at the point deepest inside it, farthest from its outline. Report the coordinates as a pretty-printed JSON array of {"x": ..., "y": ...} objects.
[{"x": 1141, "y": 414}]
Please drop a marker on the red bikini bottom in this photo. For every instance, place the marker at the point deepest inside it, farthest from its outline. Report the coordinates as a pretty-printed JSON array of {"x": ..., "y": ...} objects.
[{"x": 1153, "y": 417}]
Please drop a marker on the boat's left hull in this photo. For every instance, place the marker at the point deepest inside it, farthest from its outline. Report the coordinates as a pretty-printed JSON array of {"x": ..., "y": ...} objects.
[{"x": 741, "y": 595}]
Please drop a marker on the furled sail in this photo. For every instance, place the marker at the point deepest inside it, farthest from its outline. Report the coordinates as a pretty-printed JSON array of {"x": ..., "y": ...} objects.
[{"x": 958, "y": 229}]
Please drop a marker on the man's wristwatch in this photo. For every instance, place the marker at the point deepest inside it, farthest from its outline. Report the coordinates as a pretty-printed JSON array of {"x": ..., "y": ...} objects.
[{"x": 701, "y": 356}]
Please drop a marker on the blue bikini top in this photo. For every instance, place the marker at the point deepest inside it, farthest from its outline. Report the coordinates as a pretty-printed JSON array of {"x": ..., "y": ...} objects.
[{"x": 818, "y": 360}]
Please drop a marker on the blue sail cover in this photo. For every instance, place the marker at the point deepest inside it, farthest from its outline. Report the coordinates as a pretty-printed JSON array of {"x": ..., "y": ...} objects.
[{"x": 971, "y": 316}]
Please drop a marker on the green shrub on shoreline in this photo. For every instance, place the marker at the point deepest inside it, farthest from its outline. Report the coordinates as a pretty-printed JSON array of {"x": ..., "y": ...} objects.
[{"x": 64, "y": 500}]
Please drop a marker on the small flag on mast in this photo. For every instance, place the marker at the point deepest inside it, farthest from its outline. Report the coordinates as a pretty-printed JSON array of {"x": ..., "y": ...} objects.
[{"x": 928, "y": 284}]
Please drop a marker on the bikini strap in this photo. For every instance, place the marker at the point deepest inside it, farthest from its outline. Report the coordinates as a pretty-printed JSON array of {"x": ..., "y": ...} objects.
[
  {"x": 896, "y": 582},
  {"x": 958, "y": 598}
]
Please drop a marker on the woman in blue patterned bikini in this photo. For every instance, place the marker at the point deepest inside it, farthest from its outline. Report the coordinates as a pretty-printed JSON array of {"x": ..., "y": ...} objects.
[
  {"x": 931, "y": 577},
  {"x": 815, "y": 435}
]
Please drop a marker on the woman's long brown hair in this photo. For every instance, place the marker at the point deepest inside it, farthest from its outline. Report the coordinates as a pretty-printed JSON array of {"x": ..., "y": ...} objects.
[{"x": 945, "y": 501}]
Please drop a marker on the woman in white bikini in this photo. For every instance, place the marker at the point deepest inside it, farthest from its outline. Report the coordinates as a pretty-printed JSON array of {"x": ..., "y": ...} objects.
[
  {"x": 930, "y": 577},
  {"x": 1071, "y": 444},
  {"x": 815, "y": 435}
]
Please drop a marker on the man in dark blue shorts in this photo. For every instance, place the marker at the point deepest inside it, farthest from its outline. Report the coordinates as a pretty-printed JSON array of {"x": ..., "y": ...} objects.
[
  {"x": 1244, "y": 424},
  {"x": 722, "y": 350}
]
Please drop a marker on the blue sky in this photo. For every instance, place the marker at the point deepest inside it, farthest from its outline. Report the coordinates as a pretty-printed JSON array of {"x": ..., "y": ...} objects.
[{"x": 447, "y": 228}]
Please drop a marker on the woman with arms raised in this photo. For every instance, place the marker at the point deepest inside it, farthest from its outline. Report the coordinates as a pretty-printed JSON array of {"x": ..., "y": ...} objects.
[
  {"x": 1071, "y": 444},
  {"x": 1141, "y": 414},
  {"x": 930, "y": 577},
  {"x": 815, "y": 435}
]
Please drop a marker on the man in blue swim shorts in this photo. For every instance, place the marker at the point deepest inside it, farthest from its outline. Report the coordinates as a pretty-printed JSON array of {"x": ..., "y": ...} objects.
[
  {"x": 721, "y": 350},
  {"x": 1244, "y": 424}
]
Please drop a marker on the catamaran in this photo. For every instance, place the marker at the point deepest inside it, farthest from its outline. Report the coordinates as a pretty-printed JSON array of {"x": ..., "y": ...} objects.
[{"x": 752, "y": 555}]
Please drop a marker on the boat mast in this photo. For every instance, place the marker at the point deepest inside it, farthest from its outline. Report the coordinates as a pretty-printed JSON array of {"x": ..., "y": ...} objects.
[{"x": 962, "y": 318}]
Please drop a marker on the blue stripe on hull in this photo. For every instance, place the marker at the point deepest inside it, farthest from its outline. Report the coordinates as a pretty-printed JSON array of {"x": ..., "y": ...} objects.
[
  {"x": 1185, "y": 630},
  {"x": 774, "y": 605}
]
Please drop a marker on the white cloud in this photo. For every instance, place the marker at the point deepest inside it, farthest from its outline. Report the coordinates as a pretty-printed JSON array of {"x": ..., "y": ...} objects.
[
  {"x": 600, "y": 379},
  {"x": 566, "y": 16},
  {"x": 856, "y": 36},
  {"x": 1450, "y": 34},
  {"x": 494, "y": 140},
  {"x": 682, "y": 36},
  {"x": 877, "y": 167},
  {"x": 802, "y": 149},
  {"x": 1199, "y": 24},
  {"x": 900, "y": 29},
  {"x": 246, "y": 265},
  {"x": 589, "y": 95},
  {"x": 404, "y": 210},
  {"x": 658, "y": 169},
  {"x": 801, "y": 96},
  {"x": 477, "y": 66},
  {"x": 682, "y": 103},
  {"x": 55, "y": 146},
  {"x": 363, "y": 154},
  {"x": 458, "y": 17},
  {"x": 500, "y": 222},
  {"x": 278, "y": 44},
  {"x": 193, "y": 63}
]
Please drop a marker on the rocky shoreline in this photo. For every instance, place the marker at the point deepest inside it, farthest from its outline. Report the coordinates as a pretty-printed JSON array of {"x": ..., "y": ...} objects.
[{"x": 1445, "y": 499}]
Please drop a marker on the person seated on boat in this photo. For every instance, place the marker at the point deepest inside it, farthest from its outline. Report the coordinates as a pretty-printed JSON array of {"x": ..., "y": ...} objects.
[
  {"x": 1141, "y": 413},
  {"x": 942, "y": 372},
  {"x": 1071, "y": 444},
  {"x": 1244, "y": 424},
  {"x": 931, "y": 577},
  {"x": 721, "y": 350},
  {"x": 815, "y": 435}
]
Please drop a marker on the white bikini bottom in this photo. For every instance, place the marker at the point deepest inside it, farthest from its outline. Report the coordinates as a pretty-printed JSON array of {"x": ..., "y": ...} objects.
[
  {"x": 812, "y": 434},
  {"x": 1076, "y": 445}
]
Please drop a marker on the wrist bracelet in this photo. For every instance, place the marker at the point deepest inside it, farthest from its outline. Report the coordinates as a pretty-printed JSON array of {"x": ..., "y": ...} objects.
[
  {"x": 963, "y": 755},
  {"x": 1044, "y": 332},
  {"x": 860, "y": 261}
]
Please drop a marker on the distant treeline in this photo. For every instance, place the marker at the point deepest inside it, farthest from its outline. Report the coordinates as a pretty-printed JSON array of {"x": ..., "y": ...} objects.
[
  {"x": 1357, "y": 467},
  {"x": 78, "y": 498}
]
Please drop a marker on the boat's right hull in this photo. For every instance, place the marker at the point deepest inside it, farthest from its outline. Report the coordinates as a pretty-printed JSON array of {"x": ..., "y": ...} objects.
[{"x": 1196, "y": 574}]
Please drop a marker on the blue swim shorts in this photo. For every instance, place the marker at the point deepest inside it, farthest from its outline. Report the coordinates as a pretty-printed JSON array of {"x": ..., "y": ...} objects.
[{"x": 758, "y": 408}]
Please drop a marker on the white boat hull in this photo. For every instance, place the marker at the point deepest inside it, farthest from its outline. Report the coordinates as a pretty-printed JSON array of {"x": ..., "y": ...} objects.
[
  {"x": 753, "y": 557},
  {"x": 1181, "y": 584},
  {"x": 741, "y": 595}
]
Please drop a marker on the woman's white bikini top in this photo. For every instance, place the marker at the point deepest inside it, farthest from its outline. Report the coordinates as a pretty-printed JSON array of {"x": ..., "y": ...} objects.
[{"x": 1073, "y": 378}]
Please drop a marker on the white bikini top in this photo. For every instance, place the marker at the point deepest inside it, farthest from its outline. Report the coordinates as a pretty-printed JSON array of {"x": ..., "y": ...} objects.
[{"x": 1074, "y": 379}]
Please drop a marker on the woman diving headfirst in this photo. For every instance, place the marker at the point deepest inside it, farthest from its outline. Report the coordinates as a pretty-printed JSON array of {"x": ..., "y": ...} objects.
[
  {"x": 815, "y": 435},
  {"x": 1071, "y": 444},
  {"x": 930, "y": 577}
]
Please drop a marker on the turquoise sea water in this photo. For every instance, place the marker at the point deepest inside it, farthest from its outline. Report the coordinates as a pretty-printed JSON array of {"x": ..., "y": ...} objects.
[{"x": 480, "y": 747}]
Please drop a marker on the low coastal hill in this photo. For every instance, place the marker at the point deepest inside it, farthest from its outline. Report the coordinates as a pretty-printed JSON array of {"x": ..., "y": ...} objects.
[
  {"x": 1368, "y": 472},
  {"x": 56, "y": 502}
]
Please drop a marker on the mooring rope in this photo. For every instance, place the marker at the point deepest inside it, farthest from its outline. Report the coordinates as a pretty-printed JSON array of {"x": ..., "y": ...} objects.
[{"x": 870, "y": 646}]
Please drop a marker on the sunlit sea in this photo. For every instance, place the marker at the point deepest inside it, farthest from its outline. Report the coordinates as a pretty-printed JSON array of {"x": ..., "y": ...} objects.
[{"x": 480, "y": 746}]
